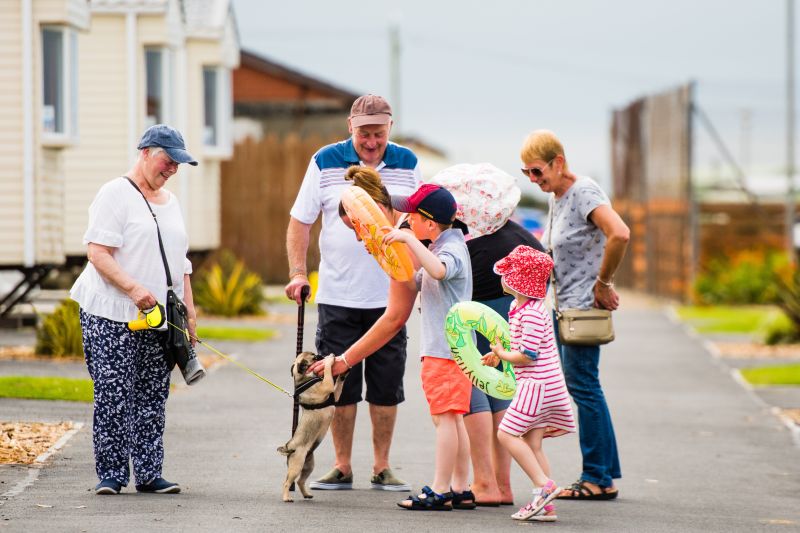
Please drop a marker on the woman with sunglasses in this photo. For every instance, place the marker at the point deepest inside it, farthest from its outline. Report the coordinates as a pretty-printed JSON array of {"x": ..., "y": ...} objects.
[{"x": 588, "y": 240}]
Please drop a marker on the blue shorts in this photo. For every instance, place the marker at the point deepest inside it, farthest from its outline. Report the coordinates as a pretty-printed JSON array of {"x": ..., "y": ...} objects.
[{"x": 480, "y": 401}]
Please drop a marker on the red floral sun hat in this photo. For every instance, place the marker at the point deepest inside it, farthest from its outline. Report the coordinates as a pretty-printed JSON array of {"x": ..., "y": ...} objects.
[{"x": 526, "y": 271}]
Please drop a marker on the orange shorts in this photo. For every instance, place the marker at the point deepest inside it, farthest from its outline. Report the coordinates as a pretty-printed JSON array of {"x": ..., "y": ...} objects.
[{"x": 446, "y": 387}]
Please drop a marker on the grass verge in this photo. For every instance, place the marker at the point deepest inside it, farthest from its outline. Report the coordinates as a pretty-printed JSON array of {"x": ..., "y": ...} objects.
[
  {"x": 46, "y": 388},
  {"x": 222, "y": 333},
  {"x": 727, "y": 318},
  {"x": 772, "y": 375}
]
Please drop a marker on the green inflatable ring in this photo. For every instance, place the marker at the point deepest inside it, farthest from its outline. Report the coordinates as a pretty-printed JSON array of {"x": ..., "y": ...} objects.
[{"x": 464, "y": 318}]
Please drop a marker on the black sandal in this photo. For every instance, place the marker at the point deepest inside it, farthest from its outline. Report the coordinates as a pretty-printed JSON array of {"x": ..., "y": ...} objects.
[
  {"x": 428, "y": 501},
  {"x": 464, "y": 500},
  {"x": 580, "y": 491}
]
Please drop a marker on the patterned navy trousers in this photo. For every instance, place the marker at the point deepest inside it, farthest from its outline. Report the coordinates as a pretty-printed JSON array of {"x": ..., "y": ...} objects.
[{"x": 131, "y": 385}]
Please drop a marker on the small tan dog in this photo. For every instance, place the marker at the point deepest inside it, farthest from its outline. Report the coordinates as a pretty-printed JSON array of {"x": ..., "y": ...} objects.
[{"x": 317, "y": 403}]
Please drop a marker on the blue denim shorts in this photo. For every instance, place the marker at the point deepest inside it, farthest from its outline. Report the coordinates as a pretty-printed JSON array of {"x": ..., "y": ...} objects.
[{"x": 481, "y": 402}]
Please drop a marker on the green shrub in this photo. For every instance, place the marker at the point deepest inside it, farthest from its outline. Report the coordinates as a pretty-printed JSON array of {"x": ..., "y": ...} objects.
[
  {"x": 227, "y": 288},
  {"x": 779, "y": 329},
  {"x": 60, "y": 334},
  {"x": 787, "y": 280},
  {"x": 748, "y": 278}
]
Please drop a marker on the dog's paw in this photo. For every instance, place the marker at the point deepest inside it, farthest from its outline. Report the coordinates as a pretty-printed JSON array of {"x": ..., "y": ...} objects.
[
  {"x": 308, "y": 496},
  {"x": 288, "y": 499},
  {"x": 283, "y": 450}
]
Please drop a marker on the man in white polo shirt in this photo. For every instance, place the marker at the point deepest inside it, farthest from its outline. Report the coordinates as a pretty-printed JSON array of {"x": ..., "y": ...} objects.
[{"x": 352, "y": 287}]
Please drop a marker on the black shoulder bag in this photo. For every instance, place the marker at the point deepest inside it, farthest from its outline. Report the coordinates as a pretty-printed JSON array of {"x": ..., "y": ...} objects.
[{"x": 178, "y": 346}]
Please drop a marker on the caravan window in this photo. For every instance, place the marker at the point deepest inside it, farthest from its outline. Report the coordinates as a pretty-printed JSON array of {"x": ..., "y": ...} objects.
[
  {"x": 158, "y": 82},
  {"x": 218, "y": 108},
  {"x": 211, "y": 106},
  {"x": 59, "y": 81}
]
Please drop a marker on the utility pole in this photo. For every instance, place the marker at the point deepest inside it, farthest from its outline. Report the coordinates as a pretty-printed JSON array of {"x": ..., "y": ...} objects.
[
  {"x": 790, "y": 200},
  {"x": 394, "y": 75}
]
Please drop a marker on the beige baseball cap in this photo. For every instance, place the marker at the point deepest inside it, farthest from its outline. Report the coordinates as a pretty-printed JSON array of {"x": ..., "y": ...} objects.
[{"x": 370, "y": 109}]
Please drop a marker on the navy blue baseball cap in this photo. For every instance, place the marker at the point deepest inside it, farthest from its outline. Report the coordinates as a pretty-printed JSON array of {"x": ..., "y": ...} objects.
[
  {"x": 170, "y": 140},
  {"x": 431, "y": 201}
]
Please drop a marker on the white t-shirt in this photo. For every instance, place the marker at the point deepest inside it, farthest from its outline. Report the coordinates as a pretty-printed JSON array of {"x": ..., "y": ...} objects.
[
  {"x": 348, "y": 275},
  {"x": 119, "y": 218}
]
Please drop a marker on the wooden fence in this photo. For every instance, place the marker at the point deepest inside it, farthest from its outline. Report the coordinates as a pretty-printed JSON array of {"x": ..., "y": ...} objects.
[
  {"x": 727, "y": 229},
  {"x": 659, "y": 258},
  {"x": 259, "y": 186}
]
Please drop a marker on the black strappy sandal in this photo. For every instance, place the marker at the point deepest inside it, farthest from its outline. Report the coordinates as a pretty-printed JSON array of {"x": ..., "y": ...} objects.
[
  {"x": 580, "y": 491},
  {"x": 428, "y": 501},
  {"x": 464, "y": 500}
]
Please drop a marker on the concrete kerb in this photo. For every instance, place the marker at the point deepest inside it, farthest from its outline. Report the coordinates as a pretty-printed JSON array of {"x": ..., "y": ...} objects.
[
  {"x": 790, "y": 424},
  {"x": 38, "y": 463},
  {"x": 736, "y": 375}
]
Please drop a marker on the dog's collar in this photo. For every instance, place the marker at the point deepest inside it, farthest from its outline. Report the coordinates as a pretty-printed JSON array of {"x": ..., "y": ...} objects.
[{"x": 328, "y": 402}]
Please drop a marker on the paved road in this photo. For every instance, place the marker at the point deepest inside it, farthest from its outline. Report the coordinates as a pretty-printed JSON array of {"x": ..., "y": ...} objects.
[{"x": 698, "y": 454}]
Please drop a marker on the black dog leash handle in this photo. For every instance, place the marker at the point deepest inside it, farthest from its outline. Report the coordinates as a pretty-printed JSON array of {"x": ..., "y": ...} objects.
[{"x": 301, "y": 318}]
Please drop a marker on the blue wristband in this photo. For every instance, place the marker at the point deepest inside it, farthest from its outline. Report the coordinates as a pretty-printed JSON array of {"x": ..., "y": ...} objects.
[{"x": 533, "y": 356}]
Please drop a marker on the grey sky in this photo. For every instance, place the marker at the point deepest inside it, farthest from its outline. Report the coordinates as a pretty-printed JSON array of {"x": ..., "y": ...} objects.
[{"x": 477, "y": 76}]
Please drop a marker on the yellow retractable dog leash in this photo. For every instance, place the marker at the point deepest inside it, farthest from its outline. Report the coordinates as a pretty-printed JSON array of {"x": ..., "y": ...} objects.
[{"x": 155, "y": 317}]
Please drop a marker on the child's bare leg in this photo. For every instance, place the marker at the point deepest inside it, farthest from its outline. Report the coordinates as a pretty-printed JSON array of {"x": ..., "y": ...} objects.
[
  {"x": 461, "y": 469},
  {"x": 524, "y": 456},
  {"x": 502, "y": 462},
  {"x": 446, "y": 437},
  {"x": 482, "y": 443},
  {"x": 534, "y": 439}
]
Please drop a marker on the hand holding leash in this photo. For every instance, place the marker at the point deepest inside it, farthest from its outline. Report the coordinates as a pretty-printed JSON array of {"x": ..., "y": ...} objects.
[{"x": 149, "y": 318}]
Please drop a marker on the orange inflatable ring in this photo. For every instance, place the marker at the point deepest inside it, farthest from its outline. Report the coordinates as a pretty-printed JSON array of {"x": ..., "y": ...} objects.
[{"x": 368, "y": 219}]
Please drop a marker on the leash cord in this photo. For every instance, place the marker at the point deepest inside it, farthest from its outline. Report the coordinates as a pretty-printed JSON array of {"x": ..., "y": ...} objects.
[{"x": 232, "y": 360}]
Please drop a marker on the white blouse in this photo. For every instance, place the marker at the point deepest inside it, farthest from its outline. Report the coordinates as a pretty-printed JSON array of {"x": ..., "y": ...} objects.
[{"x": 119, "y": 218}]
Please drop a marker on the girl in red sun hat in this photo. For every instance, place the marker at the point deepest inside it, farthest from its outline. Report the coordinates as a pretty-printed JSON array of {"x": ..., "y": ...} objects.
[{"x": 541, "y": 406}]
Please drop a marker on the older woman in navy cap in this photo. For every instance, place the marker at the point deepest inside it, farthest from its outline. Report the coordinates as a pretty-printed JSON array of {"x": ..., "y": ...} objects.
[{"x": 125, "y": 274}]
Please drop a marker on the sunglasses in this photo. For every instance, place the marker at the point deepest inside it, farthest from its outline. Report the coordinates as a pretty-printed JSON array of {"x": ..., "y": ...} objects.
[{"x": 536, "y": 171}]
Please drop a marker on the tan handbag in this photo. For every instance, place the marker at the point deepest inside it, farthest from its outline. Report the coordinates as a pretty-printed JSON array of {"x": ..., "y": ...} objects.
[
  {"x": 582, "y": 327},
  {"x": 585, "y": 327}
]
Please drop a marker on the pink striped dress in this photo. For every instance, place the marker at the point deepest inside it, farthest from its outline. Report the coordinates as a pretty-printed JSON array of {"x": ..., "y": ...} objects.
[{"x": 541, "y": 399}]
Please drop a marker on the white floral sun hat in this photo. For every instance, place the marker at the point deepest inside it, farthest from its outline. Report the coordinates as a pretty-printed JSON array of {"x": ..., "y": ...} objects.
[{"x": 486, "y": 195}]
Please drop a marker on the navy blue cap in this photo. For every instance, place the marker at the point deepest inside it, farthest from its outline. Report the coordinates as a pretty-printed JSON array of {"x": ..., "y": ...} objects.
[
  {"x": 170, "y": 140},
  {"x": 431, "y": 201}
]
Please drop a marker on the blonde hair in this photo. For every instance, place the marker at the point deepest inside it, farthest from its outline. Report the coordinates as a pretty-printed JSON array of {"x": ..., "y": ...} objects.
[
  {"x": 544, "y": 145},
  {"x": 368, "y": 179}
]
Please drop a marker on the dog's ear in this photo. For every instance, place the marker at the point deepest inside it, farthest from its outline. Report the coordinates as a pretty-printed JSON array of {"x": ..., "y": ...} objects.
[{"x": 302, "y": 366}]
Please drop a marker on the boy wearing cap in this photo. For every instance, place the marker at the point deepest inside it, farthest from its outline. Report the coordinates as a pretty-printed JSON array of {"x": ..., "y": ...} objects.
[
  {"x": 541, "y": 406},
  {"x": 444, "y": 279}
]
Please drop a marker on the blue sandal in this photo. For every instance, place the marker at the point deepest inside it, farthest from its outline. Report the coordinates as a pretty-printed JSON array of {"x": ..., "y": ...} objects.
[{"x": 428, "y": 501}]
